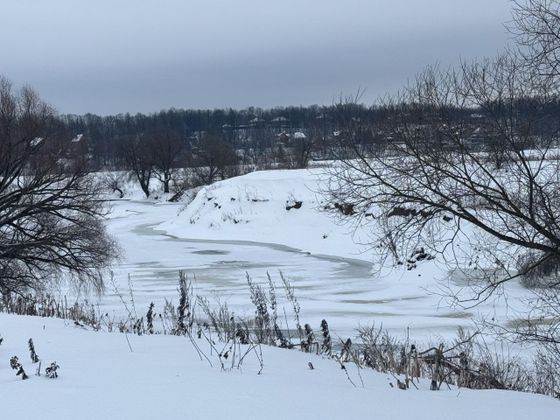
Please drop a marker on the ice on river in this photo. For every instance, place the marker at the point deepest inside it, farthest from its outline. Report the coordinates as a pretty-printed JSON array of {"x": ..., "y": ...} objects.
[{"x": 241, "y": 226}]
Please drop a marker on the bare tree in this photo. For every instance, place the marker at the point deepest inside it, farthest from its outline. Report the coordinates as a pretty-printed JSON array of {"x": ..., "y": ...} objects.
[
  {"x": 536, "y": 24},
  {"x": 137, "y": 154},
  {"x": 216, "y": 159},
  {"x": 50, "y": 213},
  {"x": 435, "y": 182},
  {"x": 114, "y": 182},
  {"x": 166, "y": 146},
  {"x": 468, "y": 172},
  {"x": 302, "y": 148}
]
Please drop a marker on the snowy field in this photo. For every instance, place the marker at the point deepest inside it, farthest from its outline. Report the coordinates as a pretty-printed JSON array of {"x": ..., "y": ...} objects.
[
  {"x": 231, "y": 228},
  {"x": 164, "y": 378},
  {"x": 241, "y": 226}
]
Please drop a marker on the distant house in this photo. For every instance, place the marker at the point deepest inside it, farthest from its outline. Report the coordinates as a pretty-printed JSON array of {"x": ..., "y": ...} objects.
[
  {"x": 280, "y": 122},
  {"x": 257, "y": 122},
  {"x": 78, "y": 138},
  {"x": 477, "y": 140},
  {"x": 79, "y": 146}
]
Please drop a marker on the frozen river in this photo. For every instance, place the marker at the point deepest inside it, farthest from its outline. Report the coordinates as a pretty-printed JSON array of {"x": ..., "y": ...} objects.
[{"x": 341, "y": 290}]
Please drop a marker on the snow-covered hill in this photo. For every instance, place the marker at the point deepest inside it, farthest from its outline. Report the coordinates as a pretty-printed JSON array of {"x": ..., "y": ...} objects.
[
  {"x": 163, "y": 377},
  {"x": 279, "y": 206}
]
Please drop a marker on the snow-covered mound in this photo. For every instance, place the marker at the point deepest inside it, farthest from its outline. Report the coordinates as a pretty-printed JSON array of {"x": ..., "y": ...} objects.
[
  {"x": 281, "y": 207},
  {"x": 101, "y": 376}
]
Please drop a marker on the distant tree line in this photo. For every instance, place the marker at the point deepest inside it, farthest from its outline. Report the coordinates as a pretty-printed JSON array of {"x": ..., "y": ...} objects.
[
  {"x": 216, "y": 144},
  {"x": 259, "y": 136}
]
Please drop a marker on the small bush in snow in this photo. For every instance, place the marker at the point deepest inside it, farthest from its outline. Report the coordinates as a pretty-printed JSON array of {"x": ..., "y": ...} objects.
[
  {"x": 326, "y": 345},
  {"x": 291, "y": 296},
  {"x": 34, "y": 356},
  {"x": 263, "y": 329},
  {"x": 345, "y": 353},
  {"x": 16, "y": 365},
  {"x": 309, "y": 344},
  {"x": 150, "y": 319},
  {"x": 293, "y": 204},
  {"x": 185, "y": 318},
  {"x": 281, "y": 340},
  {"x": 51, "y": 371}
]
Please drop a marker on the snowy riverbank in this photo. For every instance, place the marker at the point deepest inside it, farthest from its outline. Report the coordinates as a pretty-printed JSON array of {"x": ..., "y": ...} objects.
[{"x": 163, "y": 377}]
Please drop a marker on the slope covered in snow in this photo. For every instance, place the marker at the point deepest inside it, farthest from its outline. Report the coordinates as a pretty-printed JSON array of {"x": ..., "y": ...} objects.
[
  {"x": 282, "y": 207},
  {"x": 102, "y": 375}
]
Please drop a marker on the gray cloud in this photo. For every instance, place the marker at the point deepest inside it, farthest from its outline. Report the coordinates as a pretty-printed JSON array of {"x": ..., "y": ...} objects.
[{"x": 129, "y": 56}]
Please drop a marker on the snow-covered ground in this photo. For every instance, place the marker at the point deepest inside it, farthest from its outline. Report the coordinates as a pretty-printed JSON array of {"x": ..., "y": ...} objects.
[
  {"x": 231, "y": 228},
  {"x": 163, "y": 377},
  {"x": 241, "y": 225}
]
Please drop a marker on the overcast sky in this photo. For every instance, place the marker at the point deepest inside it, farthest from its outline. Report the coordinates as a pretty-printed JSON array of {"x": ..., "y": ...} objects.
[{"x": 115, "y": 56}]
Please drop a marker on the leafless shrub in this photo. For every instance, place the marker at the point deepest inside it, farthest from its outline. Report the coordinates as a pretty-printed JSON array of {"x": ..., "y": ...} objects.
[
  {"x": 16, "y": 365},
  {"x": 468, "y": 361},
  {"x": 539, "y": 271},
  {"x": 326, "y": 344},
  {"x": 51, "y": 371},
  {"x": 280, "y": 339},
  {"x": 185, "y": 309},
  {"x": 380, "y": 351},
  {"x": 546, "y": 378},
  {"x": 291, "y": 296},
  {"x": 34, "y": 356},
  {"x": 114, "y": 182},
  {"x": 309, "y": 344},
  {"x": 150, "y": 319},
  {"x": 263, "y": 329},
  {"x": 222, "y": 321}
]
